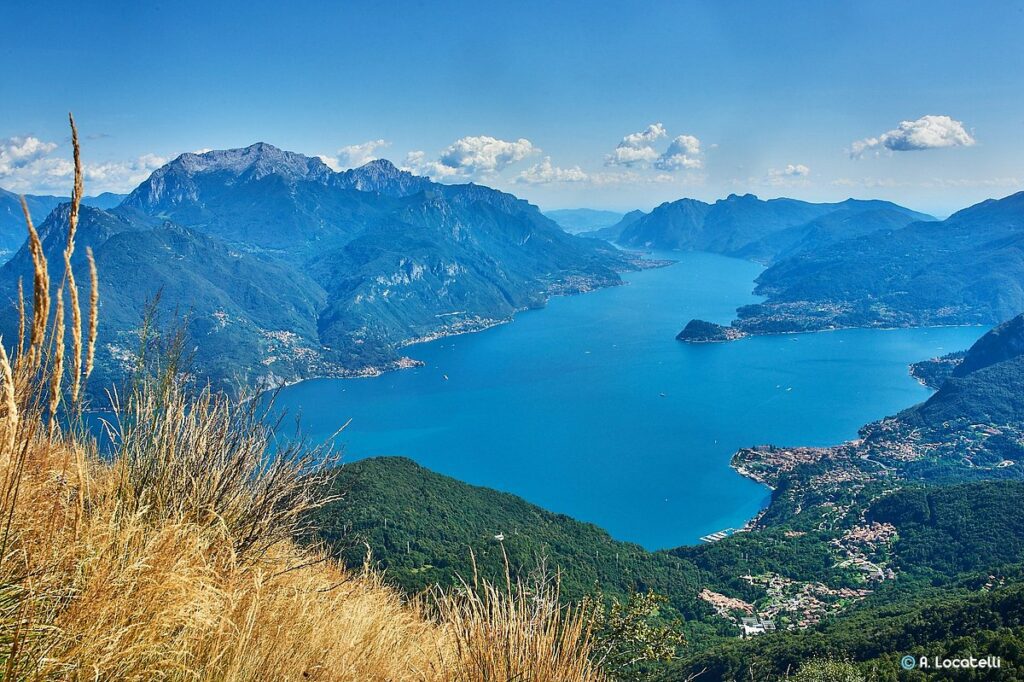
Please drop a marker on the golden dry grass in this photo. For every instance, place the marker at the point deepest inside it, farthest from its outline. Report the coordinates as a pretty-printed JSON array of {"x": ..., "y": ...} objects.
[{"x": 174, "y": 558}]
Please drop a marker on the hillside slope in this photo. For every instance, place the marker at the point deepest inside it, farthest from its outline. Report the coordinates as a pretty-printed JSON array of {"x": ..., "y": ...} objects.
[
  {"x": 960, "y": 592},
  {"x": 426, "y": 528}
]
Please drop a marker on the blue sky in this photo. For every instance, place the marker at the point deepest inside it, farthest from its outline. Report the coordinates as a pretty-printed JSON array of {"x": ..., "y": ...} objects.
[{"x": 535, "y": 98}]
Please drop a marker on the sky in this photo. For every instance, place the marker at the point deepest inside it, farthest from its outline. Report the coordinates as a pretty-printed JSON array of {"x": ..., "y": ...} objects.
[{"x": 568, "y": 104}]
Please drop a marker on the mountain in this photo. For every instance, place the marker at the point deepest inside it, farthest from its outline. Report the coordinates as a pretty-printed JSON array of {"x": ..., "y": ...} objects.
[
  {"x": 748, "y": 227},
  {"x": 669, "y": 226},
  {"x": 967, "y": 269},
  {"x": 577, "y": 220},
  {"x": 12, "y": 221},
  {"x": 612, "y": 232},
  {"x": 289, "y": 270},
  {"x": 984, "y": 388},
  {"x": 13, "y": 232},
  {"x": 1005, "y": 342},
  {"x": 836, "y": 226},
  {"x": 241, "y": 306},
  {"x": 106, "y": 200}
]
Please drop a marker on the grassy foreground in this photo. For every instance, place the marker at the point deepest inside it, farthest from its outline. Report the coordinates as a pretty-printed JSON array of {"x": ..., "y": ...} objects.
[{"x": 175, "y": 557}]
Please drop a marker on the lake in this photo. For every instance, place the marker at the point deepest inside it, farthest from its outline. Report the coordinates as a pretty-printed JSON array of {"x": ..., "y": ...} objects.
[{"x": 590, "y": 407}]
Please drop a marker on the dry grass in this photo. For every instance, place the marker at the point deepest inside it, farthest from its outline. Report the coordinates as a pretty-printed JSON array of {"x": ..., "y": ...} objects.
[
  {"x": 541, "y": 639},
  {"x": 174, "y": 558}
]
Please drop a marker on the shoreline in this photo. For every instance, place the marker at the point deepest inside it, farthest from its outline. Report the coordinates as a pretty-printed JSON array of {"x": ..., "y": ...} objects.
[
  {"x": 752, "y": 335},
  {"x": 742, "y": 468},
  {"x": 406, "y": 362}
]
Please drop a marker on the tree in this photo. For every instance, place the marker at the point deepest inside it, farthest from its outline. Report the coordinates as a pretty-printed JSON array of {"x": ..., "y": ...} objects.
[
  {"x": 629, "y": 639},
  {"x": 823, "y": 670}
]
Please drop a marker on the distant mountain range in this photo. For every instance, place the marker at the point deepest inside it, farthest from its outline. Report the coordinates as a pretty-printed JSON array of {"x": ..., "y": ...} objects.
[
  {"x": 967, "y": 269},
  {"x": 855, "y": 263},
  {"x": 288, "y": 270},
  {"x": 12, "y": 221},
  {"x": 577, "y": 220},
  {"x": 748, "y": 227},
  {"x": 373, "y": 258},
  {"x": 106, "y": 200},
  {"x": 612, "y": 232}
]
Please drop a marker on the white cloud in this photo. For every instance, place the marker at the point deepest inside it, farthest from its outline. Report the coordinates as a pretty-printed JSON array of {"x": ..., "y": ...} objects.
[
  {"x": 683, "y": 153},
  {"x": 927, "y": 132},
  {"x": 545, "y": 173},
  {"x": 27, "y": 166},
  {"x": 19, "y": 152},
  {"x": 636, "y": 150},
  {"x": 484, "y": 154},
  {"x": 472, "y": 156},
  {"x": 416, "y": 162},
  {"x": 794, "y": 174},
  {"x": 355, "y": 155},
  {"x": 631, "y": 156},
  {"x": 791, "y": 175},
  {"x": 120, "y": 176},
  {"x": 653, "y": 132}
]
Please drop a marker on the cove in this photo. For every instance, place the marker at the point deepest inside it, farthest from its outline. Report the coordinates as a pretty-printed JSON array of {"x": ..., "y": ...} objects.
[{"x": 590, "y": 407}]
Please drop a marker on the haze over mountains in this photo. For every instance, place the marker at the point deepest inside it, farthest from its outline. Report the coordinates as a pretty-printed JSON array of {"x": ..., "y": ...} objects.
[
  {"x": 288, "y": 270},
  {"x": 580, "y": 220},
  {"x": 12, "y": 219}
]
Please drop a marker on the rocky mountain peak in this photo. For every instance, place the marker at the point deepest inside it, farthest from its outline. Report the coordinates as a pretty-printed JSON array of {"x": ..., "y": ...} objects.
[
  {"x": 383, "y": 177},
  {"x": 255, "y": 162},
  {"x": 180, "y": 180}
]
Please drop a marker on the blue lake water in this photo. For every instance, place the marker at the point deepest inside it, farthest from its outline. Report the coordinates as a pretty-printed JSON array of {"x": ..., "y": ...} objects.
[{"x": 590, "y": 406}]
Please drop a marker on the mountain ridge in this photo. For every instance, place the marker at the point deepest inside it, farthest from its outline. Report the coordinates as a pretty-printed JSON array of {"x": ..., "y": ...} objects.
[
  {"x": 967, "y": 269},
  {"x": 291, "y": 270},
  {"x": 746, "y": 226}
]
